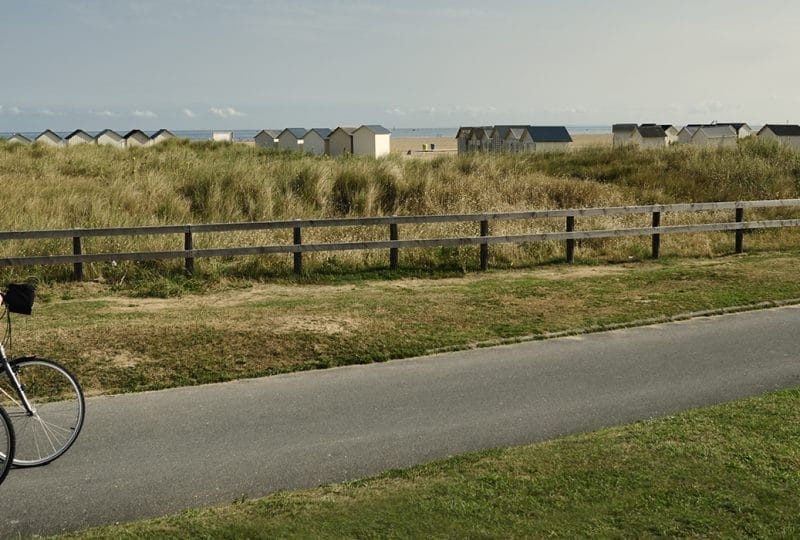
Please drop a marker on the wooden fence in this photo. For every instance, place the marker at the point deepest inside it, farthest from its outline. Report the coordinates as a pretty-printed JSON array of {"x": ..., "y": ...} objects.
[{"x": 484, "y": 239}]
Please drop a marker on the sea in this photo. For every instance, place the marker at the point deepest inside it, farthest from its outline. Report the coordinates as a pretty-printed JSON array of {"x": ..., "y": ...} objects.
[{"x": 249, "y": 134}]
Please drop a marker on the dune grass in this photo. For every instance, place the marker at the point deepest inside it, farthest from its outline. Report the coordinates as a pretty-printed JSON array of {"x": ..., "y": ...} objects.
[{"x": 189, "y": 182}]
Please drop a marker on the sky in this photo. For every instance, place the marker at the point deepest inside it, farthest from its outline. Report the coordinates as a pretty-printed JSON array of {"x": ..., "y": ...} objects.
[{"x": 255, "y": 64}]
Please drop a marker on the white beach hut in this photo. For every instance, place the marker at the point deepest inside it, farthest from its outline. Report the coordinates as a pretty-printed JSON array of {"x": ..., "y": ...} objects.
[
  {"x": 649, "y": 136},
  {"x": 718, "y": 136},
  {"x": 267, "y": 138},
  {"x": 222, "y": 136},
  {"x": 49, "y": 138},
  {"x": 372, "y": 140},
  {"x": 136, "y": 137},
  {"x": 742, "y": 129},
  {"x": 161, "y": 135},
  {"x": 18, "y": 138},
  {"x": 788, "y": 134},
  {"x": 622, "y": 134},
  {"x": 109, "y": 137},
  {"x": 686, "y": 133},
  {"x": 545, "y": 139},
  {"x": 671, "y": 132},
  {"x": 78, "y": 137},
  {"x": 340, "y": 141},
  {"x": 316, "y": 141},
  {"x": 291, "y": 139}
]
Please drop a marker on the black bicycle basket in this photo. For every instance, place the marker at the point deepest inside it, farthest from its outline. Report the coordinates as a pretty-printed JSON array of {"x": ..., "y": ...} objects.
[{"x": 19, "y": 298}]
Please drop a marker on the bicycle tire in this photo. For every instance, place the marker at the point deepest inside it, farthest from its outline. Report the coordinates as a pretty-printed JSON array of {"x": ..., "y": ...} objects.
[
  {"x": 6, "y": 444},
  {"x": 58, "y": 410}
]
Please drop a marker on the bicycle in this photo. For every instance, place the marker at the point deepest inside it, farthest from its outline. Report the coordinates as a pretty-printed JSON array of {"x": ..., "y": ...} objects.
[
  {"x": 42, "y": 398},
  {"x": 6, "y": 444}
]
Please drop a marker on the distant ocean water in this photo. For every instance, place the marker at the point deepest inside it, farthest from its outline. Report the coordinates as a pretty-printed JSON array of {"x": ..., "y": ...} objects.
[{"x": 249, "y": 134}]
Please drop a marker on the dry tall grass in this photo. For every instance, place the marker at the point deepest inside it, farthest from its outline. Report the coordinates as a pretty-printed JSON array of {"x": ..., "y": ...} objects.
[{"x": 183, "y": 182}]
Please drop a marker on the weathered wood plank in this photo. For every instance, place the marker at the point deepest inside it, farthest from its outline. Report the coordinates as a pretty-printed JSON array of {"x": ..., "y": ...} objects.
[{"x": 398, "y": 244}]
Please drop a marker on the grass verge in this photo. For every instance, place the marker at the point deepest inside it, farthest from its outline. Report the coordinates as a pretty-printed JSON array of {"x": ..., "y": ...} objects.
[
  {"x": 118, "y": 343},
  {"x": 724, "y": 472}
]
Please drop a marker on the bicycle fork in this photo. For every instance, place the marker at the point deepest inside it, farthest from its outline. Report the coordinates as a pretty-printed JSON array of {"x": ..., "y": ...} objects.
[{"x": 17, "y": 386}]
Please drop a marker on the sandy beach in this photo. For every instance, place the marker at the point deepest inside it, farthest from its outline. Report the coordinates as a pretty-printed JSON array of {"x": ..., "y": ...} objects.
[{"x": 447, "y": 145}]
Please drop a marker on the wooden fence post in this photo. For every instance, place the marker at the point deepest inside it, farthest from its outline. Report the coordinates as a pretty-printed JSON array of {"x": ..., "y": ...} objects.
[
  {"x": 298, "y": 255},
  {"x": 77, "y": 268},
  {"x": 570, "y": 242},
  {"x": 394, "y": 253},
  {"x": 656, "y": 236},
  {"x": 484, "y": 246},
  {"x": 188, "y": 246},
  {"x": 739, "y": 232}
]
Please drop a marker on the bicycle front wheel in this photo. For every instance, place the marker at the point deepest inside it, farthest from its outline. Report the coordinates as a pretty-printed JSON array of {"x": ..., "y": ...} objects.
[
  {"x": 6, "y": 444},
  {"x": 56, "y": 412}
]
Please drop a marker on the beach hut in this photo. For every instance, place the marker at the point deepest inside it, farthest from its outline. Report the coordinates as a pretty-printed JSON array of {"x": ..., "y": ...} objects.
[
  {"x": 742, "y": 129},
  {"x": 717, "y": 136},
  {"x": 512, "y": 140},
  {"x": 372, "y": 140},
  {"x": 462, "y": 139},
  {"x": 671, "y": 132},
  {"x": 161, "y": 135},
  {"x": 49, "y": 138},
  {"x": 480, "y": 139},
  {"x": 110, "y": 137},
  {"x": 622, "y": 134},
  {"x": 499, "y": 136},
  {"x": 649, "y": 136},
  {"x": 222, "y": 136},
  {"x": 267, "y": 138},
  {"x": 291, "y": 139},
  {"x": 340, "y": 141},
  {"x": 18, "y": 138},
  {"x": 78, "y": 137},
  {"x": 788, "y": 134},
  {"x": 686, "y": 133},
  {"x": 545, "y": 139},
  {"x": 316, "y": 141},
  {"x": 136, "y": 137}
]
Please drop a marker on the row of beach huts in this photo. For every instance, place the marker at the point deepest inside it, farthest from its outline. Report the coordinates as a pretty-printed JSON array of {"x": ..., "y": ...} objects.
[
  {"x": 717, "y": 134},
  {"x": 513, "y": 138},
  {"x": 366, "y": 140}
]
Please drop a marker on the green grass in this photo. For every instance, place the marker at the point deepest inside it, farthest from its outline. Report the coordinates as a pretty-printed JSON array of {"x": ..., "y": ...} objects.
[
  {"x": 124, "y": 341},
  {"x": 730, "y": 471}
]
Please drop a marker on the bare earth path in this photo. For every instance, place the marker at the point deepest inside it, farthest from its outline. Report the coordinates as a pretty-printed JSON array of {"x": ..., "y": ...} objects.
[{"x": 147, "y": 455}]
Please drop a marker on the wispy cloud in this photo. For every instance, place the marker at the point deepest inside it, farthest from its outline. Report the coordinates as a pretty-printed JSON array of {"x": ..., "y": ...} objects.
[
  {"x": 145, "y": 114},
  {"x": 189, "y": 113},
  {"x": 227, "y": 112},
  {"x": 104, "y": 114},
  {"x": 10, "y": 110}
]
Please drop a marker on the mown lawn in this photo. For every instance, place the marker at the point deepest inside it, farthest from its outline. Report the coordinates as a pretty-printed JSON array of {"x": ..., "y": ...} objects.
[
  {"x": 731, "y": 471},
  {"x": 116, "y": 342}
]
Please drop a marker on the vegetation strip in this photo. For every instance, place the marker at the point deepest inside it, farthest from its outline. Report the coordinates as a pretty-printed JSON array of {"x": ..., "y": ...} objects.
[{"x": 722, "y": 472}]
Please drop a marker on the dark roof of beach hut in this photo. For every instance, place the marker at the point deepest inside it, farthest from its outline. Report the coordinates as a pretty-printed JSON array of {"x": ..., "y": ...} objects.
[
  {"x": 76, "y": 133},
  {"x": 322, "y": 132},
  {"x": 164, "y": 132},
  {"x": 783, "y": 130},
  {"x": 135, "y": 132},
  {"x": 269, "y": 132},
  {"x": 502, "y": 131},
  {"x": 549, "y": 134},
  {"x": 298, "y": 133},
  {"x": 651, "y": 131},
  {"x": 110, "y": 132},
  {"x": 623, "y": 128}
]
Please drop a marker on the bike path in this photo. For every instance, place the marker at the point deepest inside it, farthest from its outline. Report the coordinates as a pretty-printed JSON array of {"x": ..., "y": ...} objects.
[{"x": 151, "y": 454}]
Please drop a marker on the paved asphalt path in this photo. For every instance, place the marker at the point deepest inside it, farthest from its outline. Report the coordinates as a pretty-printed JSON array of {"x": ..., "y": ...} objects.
[{"x": 156, "y": 453}]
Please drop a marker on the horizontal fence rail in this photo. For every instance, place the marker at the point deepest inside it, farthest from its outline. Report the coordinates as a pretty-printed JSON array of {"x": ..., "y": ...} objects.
[{"x": 394, "y": 244}]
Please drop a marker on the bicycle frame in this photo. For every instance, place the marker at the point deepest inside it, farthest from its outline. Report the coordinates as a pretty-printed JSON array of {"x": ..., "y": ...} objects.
[{"x": 14, "y": 381}]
